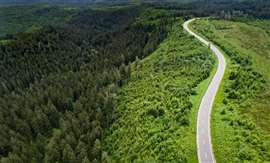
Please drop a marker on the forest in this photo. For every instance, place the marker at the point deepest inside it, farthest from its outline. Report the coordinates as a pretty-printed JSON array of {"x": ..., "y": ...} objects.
[
  {"x": 59, "y": 84},
  {"x": 122, "y": 82}
]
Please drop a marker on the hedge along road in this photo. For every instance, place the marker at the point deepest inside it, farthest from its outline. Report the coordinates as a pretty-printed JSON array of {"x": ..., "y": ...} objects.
[{"x": 204, "y": 145}]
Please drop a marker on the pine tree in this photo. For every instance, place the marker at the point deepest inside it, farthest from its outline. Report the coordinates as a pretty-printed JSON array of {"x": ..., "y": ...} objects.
[
  {"x": 96, "y": 150},
  {"x": 53, "y": 114},
  {"x": 81, "y": 151},
  {"x": 85, "y": 160},
  {"x": 68, "y": 155},
  {"x": 53, "y": 151}
]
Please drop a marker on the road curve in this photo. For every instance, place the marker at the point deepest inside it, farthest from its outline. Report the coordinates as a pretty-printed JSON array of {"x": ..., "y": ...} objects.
[{"x": 204, "y": 145}]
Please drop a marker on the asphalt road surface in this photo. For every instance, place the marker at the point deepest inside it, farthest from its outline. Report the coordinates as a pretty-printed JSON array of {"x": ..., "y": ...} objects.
[{"x": 204, "y": 145}]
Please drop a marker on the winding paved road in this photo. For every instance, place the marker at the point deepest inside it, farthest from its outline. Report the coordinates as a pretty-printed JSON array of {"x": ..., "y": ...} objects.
[{"x": 204, "y": 145}]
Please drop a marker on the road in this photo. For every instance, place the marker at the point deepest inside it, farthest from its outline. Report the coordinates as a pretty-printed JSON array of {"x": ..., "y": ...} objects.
[{"x": 204, "y": 144}]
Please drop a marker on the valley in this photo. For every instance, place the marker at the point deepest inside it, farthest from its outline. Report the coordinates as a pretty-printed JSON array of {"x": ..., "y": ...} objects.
[{"x": 134, "y": 81}]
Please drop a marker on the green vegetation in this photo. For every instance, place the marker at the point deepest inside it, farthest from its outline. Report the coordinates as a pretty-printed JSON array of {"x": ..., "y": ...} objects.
[
  {"x": 156, "y": 113},
  {"x": 31, "y": 18},
  {"x": 77, "y": 83},
  {"x": 59, "y": 85},
  {"x": 240, "y": 123}
]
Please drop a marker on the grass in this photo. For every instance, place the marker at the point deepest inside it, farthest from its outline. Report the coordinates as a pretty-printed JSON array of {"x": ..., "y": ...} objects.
[
  {"x": 157, "y": 109},
  {"x": 241, "y": 112}
]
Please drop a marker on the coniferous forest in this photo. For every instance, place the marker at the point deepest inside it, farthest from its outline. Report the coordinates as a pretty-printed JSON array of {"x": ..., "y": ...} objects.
[
  {"x": 59, "y": 84},
  {"x": 122, "y": 81}
]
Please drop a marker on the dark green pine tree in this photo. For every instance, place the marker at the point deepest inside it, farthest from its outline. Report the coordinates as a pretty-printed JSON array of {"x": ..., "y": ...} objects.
[{"x": 68, "y": 155}]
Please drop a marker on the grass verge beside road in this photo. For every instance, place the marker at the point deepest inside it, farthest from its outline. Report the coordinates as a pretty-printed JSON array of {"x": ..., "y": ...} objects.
[
  {"x": 242, "y": 107},
  {"x": 156, "y": 117}
]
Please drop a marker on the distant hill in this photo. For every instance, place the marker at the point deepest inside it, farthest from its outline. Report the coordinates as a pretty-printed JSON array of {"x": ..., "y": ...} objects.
[
  {"x": 56, "y": 1},
  {"x": 83, "y": 1},
  {"x": 111, "y": 1}
]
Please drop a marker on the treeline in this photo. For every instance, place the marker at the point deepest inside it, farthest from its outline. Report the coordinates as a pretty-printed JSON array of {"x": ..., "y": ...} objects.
[
  {"x": 219, "y": 8},
  {"x": 59, "y": 85}
]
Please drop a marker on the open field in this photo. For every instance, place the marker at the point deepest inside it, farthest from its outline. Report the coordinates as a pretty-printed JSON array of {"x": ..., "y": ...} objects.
[{"x": 240, "y": 123}]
